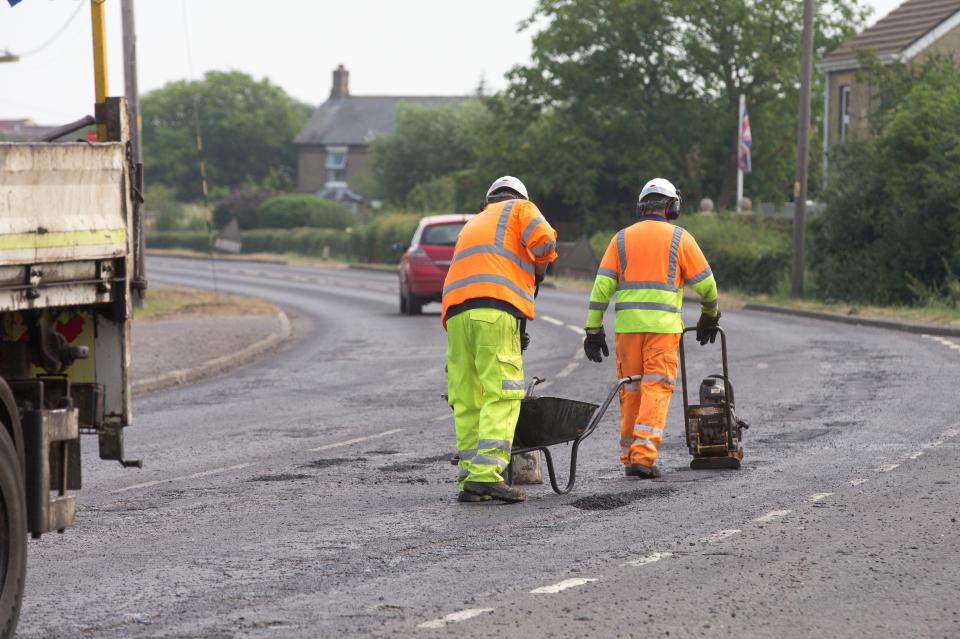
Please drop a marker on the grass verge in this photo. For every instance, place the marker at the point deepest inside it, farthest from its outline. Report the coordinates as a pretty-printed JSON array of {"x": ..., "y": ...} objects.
[{"x": 172, "y": 302}]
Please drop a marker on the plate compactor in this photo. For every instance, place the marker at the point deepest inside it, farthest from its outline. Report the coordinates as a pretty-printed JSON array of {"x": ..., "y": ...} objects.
[{"x": 713, "y": 429}]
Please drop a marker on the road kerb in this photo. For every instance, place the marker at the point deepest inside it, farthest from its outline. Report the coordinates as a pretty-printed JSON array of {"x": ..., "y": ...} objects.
[
  {"x": 217, "y": 365},
  {"x": 873, "y": 322}
]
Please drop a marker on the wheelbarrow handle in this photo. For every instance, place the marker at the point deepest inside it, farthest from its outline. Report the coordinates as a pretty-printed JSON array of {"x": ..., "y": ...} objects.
[{"x": 602, "y": 409}]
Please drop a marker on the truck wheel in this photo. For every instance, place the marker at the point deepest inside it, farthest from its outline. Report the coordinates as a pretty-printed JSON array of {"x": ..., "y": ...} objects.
[{"x": 13, "y": 536}]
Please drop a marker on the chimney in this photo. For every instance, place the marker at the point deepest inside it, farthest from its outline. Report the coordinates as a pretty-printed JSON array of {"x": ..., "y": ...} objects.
[{"x": 341, "y": 83}]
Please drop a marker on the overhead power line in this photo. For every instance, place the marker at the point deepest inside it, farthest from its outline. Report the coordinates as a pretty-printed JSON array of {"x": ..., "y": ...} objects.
[{"x": 57, "y": 34}]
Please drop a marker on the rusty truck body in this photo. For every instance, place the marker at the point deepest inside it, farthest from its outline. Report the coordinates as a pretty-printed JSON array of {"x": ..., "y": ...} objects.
[{"x": 70, "y": 270}]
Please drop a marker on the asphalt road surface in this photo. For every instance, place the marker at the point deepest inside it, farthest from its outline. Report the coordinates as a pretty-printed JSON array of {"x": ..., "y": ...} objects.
[{"x": 309, "y": 494}]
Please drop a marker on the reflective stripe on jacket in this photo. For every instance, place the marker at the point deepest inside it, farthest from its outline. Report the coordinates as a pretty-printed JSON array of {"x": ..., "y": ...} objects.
[
  {"x": 496, "y": 254},
  {"x": 646, "y": 265}
]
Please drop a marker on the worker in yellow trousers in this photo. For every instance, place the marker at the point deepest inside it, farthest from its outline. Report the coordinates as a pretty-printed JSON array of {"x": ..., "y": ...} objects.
[
  {"x": 646, "y": 266},
  {"x": 500, "y": 255}
]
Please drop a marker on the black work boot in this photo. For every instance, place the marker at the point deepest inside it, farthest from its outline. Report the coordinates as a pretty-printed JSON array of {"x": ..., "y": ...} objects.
[
  {"x": 490, "y": 490},
  {"x": 469, "y": 498},
  {"x": 642, "y": 472}
]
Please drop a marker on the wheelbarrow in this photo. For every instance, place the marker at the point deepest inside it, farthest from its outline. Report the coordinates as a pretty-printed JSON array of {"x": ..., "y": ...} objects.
[{"x": 548, "y": 421}]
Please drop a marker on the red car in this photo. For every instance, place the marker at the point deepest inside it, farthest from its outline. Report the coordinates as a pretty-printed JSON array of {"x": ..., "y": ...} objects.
[{"x": 425, "y": 262}]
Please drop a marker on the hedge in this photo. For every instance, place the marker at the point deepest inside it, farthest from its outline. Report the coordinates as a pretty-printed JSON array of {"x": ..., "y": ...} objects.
[
  {"x": 296, "y": 210},
  {"x": 745, "y": 252}
]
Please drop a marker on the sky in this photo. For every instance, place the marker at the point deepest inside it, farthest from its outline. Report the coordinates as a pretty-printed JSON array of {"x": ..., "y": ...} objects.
[{"x": 417, "y": 47}]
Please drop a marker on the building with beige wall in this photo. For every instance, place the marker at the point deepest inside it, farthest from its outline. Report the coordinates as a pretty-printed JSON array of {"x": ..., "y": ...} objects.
[
  {"x": 914, "y": 29},
  {"x": 333, "y": 148}
]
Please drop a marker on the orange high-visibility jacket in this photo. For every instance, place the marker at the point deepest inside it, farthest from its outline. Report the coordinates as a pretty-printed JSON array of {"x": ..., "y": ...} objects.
[
  {"x": 496, "y": 253},
  {"x": 646, "y": 265}
]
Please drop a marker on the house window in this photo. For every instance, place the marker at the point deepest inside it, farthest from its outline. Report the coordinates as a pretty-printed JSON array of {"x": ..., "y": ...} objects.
[
  {"x": 336, "y": 164},
  {"x": 844, "y": 112}
]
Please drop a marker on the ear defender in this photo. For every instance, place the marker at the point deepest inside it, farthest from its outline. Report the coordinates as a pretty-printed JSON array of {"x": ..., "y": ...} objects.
[{"x": 674, "y": 211}]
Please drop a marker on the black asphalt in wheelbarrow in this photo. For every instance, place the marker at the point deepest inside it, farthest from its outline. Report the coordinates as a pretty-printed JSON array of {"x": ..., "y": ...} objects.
[{"x": 548, "y": 421}]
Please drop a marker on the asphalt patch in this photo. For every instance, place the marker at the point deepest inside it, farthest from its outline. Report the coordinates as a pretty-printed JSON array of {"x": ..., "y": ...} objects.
[
  {"x": 332, "y": 461},
  {"x": 611, "y": 501},
  {"x": 281, "y": 477},
  {"x": 414, "y": 464}
]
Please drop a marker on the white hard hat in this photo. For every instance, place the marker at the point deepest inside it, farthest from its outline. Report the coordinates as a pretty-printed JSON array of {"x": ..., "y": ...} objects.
[
  {"x": 659, "y": 186},
  {"x": 508, "y": 182}
]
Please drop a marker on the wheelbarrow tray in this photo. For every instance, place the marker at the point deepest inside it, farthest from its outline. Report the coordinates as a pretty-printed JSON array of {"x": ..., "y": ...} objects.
[{"x": 546, "y": 421}]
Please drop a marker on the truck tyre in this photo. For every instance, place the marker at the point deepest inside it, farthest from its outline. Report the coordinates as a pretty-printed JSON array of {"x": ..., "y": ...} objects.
[{"x": 13, "y": 536}]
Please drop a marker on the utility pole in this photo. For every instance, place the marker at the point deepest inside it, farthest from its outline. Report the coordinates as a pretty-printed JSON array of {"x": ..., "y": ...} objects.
[
  {"x": 130, "y": 77},
  {"x": 803, "y": 152},
  {"x": 98, "y": 24}
]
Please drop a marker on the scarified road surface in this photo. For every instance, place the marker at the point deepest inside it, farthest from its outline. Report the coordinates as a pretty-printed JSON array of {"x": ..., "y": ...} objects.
[{"x": 308, "y": 494}]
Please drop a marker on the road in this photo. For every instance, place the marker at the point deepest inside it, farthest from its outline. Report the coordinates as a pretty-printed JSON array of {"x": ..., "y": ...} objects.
[{"x": 309, "y": 494}]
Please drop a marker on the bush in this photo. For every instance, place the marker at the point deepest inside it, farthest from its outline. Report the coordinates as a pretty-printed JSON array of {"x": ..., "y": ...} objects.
[
  {"x": 374, "y": 241},
  {"x": 299, "y": 210},
  {"x": 190, "y": 240},
  {"x": 243, "y": 206},
  {"x": 745, "y": 253},
  {"x": 304, "y": 241},
  {"x": 891, "y": 229}
]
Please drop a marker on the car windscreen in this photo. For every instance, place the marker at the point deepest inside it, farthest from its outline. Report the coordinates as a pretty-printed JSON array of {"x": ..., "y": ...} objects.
[{"x": 441, "y": 234}]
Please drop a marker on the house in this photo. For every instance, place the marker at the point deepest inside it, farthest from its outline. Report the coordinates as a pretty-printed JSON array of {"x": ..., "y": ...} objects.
[
  {"x": 333, "y": 148},
  {"x": 914, "y": 29}
]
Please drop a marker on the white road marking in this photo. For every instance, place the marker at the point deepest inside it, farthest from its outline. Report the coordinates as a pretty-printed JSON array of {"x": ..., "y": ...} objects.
[
  {"x": 356, "y": 440},
  {"x": 720, "y": 535},
  {"x": 857, "y": 482},
  {"x": 442, "y": 418},
  {"x": 917, "y": 455},
  {"x": 819, "y": 496},
  {"x": 563, "y": 585},
  {"x": 454, "y": 617},
  {"x": 205, "y": 473},
  {"x": 552, "y": 320},
  {"x": 953, "y": 432},
  {"x": 569, "y": 368},
  {"x": 886, "y": 468},
  {"x": 649, "y": 559},
  {"x": 576, "y": 329},
  {"x": 762, "y": 365},
  {"x": 770, "y": 516}
]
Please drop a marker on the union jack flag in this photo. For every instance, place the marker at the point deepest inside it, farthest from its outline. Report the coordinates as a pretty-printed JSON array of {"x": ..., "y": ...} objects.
[
  {"x": 746, "y": 141},
  {"x": 13, "y": 2}
]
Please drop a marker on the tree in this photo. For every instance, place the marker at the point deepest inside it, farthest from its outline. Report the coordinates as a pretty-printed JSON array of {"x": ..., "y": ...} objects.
[
  {"x": 247, "y": 128},
  {"x": 621, "y": 90},
  {"x": 891, "y": 228},
  {"x": 430, "y": 144}
]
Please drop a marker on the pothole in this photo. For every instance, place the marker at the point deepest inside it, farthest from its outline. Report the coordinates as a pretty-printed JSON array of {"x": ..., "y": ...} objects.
[
  {"x": 281, "y": 477},
  {"x": 332, "y": 461},
  {"x": 611, "y": 501},
  {"x": 414, "y": 464}
]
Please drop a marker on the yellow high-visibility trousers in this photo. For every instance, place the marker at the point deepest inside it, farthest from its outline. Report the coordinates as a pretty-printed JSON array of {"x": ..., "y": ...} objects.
[
  {"x": 484, "y": 387},
  {"x": 643, "y": 405}
]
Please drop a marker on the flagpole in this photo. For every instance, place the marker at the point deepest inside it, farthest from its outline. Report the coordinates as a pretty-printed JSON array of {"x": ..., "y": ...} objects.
[{"x": 743, "y": 106}]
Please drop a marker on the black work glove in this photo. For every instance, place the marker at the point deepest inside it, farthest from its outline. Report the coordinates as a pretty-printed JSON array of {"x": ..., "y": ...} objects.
[
  {"x": 707, "y": 328},
  {"x": 524, "y": 341},
  {"x": 594, "y": 344}
]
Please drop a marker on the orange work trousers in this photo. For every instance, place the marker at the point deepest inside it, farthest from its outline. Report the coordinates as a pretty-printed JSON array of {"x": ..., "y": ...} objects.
[{"x": 643, "y": 405}]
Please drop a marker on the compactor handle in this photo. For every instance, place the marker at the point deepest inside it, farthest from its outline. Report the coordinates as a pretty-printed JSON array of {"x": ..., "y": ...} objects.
[{"x": 726, "y": 377}]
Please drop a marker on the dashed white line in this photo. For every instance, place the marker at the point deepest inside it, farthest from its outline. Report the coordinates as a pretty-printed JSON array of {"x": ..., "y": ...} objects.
[
  {"x": 917, "y": 455},
  {"x": 454, "y": 617},
  {"x": 563, "y": 585},
  {"x": 762, "y": 365},
  {"x": 569, "y": 368},
  {"x": 819, "y": 497},
  {"x": 205, "y": 473},
  {"x": 858, "y": 482},
  {"x": 355, "y": 440},
  {"x": 576, "y": 329},
  {"x": 720, "y": 535},
  {"x": 770, "y": 516},
  {"x": 886, "y": 468},
  {"x": 649, "y": 559},
  {"x": 442, "y": 418},
  {"x": 551, "y": 320}
]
